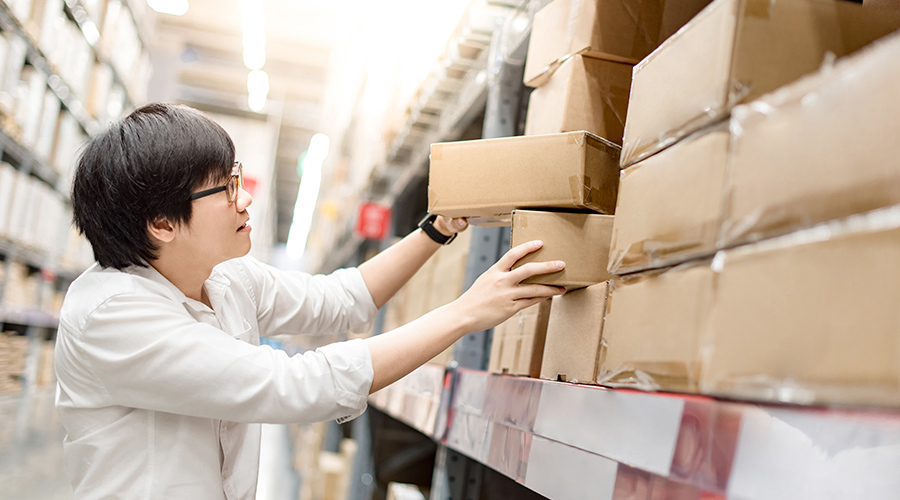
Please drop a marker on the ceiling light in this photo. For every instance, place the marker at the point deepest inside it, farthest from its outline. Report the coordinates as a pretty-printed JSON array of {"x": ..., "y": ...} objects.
[
  {"x": 258, "y": 90},
  {"x": 173, "y": 7},
  {"x": 307, "y": 194}
]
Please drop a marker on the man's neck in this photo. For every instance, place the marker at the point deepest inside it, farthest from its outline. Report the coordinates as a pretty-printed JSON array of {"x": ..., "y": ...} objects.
[{"x": 186, "y": 276}]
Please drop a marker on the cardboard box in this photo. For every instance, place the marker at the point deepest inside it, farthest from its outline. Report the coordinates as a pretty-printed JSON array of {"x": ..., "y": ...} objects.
[
  {"x": 450, "y": 271},
  {"x": 584, "y": 94},
  {"x": 810, "y": 317},
  {"x": 654, "y": 326},
  {"x": 485, "y": 180},
  {"x": 574, "y": 332},
  {"x": 581, "y": 240},
  {"x": 822, "y": 148},
  {"x": 670, "y": 204},
  {"x": 882, "y": 4},
  {"x": 733, "y": 52},
  {"x": 517, "y": 346},
  {"x": 616, "y": 30}
]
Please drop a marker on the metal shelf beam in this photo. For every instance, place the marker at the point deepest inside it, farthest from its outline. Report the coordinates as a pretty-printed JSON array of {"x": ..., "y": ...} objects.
[{"x": 578, "y": 441}]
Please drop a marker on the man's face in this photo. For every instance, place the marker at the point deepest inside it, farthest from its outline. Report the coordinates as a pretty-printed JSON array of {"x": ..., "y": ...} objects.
[{"x": 219, "y": 229}]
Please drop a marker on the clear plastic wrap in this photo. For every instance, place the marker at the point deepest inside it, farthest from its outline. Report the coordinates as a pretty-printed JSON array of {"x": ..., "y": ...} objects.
[
  {"x": 822, "y": 148},
  {"x": 734, "y": 52}
]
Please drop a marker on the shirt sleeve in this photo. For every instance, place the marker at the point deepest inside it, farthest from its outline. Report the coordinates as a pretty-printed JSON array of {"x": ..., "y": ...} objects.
[
  {"x": 147, "y": 352},
  {"x": 299, "y": 303}
]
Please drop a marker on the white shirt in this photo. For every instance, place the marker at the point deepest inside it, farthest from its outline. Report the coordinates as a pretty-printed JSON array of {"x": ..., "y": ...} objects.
[{"x": 161, "y": 396}]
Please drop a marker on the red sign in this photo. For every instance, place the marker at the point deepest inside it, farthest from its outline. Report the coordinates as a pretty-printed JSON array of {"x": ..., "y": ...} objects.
[{"x": 372, "y": 221}]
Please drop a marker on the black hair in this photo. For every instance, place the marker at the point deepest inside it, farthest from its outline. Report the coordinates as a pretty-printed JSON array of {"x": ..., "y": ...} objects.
[{"x": 142, "y": 168}]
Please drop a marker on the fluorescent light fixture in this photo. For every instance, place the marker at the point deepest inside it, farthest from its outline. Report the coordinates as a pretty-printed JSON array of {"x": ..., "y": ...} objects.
[
  {"x": 258, "y": 89},
  {"x": 91, "y": 33},
  {"x": 307, "y": 194},
  {"x": 254, "y": 38},
  {"x": 173, "y": 7},
  {"x": 254, "y": 51}
]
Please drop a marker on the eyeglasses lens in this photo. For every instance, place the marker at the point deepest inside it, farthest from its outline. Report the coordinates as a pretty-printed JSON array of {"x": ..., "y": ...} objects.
[{"x": 235, "y": 183}]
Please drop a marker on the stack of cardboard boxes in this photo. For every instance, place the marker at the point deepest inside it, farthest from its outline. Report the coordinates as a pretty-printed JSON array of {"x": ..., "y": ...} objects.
[
  {"x": 580, "y": 59},
  {"x": 747, "y": 152},
  {"x": 518, "y": 181},
  {"x": 12, "y": 361},
  {"x": 439, "y": 282},
  {"x": 753, "y": 244}
]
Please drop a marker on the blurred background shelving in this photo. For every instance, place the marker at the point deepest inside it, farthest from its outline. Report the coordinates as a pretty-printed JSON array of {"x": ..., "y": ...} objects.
[{"x": 333, "y": 107}]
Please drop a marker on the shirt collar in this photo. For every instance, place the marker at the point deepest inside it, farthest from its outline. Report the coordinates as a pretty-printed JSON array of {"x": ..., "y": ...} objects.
[{"x": 216, "y": 285}]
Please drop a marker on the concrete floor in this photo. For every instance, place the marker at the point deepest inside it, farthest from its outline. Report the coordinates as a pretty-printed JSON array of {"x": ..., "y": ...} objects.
[{"x": 31, "y": 456}]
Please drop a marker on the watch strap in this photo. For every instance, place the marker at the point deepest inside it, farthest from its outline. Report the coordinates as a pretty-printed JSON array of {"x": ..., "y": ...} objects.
[{"x": 427, "y": 226}]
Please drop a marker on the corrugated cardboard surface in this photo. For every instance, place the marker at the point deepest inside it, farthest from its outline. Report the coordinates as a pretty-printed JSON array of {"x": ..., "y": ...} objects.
[
  {"x": 584, "y": 94},
  {"x": 653, "y": 328},
  {"x": 487, "y": 179},
  {"x": 581, "y": 240},
  {"x": 517, "y": 346},
  {"x": 438, "y": 282},
  {"x": 574, "y": 330},
  {"x": 820, "y": 149},
  {"x": 733, "y": 52},
  {"x": 670, "y": 204},
  {"x": 811, "y": 317},
  {"x": 618, "y": 30}
]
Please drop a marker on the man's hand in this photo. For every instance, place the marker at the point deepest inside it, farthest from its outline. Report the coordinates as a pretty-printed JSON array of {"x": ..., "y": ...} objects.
[
  {"x": 448, "y": 226},
  {"x": 497, "y": 294}
]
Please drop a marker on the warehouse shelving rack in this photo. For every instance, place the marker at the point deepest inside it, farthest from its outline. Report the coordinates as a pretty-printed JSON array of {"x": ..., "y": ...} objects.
[
  {"x": 573, "y": 441},
  {"x": 35, "y": 321},
  {"x": 570, "y": 441}
]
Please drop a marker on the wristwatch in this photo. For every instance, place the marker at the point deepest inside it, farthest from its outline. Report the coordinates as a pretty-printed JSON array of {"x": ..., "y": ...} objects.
[{"x": 427, "y": 226}]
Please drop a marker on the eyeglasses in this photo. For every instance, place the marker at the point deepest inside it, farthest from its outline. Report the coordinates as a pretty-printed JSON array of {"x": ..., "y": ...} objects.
[{"x": 231, "y": 188}]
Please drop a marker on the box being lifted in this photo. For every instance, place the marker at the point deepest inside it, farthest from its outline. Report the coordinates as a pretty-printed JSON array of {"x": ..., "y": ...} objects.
[
  {"x": 616, "y": 30},
  {"x": 574, "y": 332},
  {"x": 733, "y": 52},
  {"x": 585, "y": 94},
  {"x": 581, "y": 240},
  {"x": 485, "y": 180}
]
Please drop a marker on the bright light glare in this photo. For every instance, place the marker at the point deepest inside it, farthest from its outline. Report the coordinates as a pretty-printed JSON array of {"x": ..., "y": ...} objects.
[
  {"x": 91, "y": 33},
  {"x": 254, "y": 38},
  {"x": 307, "y": 194},
  {"x": 173, "y": 7},
  {"x": 258, "y": 89},
  {"x": 254, "y": 51}
]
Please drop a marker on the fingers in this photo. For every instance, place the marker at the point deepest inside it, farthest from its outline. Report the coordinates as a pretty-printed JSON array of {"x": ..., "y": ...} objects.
[
  {"x": 528, "y": 292},
  {"x": 459, "y": 225},
  {"x": 517, "y": 252},
  {"x": 534, "y": 268},
  {"x": 526, "y": 303},
  {"x": 448, "y": 226}
]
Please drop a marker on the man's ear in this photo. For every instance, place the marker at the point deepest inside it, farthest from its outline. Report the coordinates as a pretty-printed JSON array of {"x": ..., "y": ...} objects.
[{"x": 162, "y": 230}]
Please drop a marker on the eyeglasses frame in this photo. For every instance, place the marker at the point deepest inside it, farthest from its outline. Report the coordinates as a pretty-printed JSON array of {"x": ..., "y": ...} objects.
[{"x": 237, "y": 176}]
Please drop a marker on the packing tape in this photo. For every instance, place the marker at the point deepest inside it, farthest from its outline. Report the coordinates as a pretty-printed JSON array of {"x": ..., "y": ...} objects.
[
  {"x": 432, "y": 199},
  {"x": 437, "y": 152},
  {"x": 633, "y": 10},
  {"x": 521, "y": 221},
  {"x": 575, "y": 185},
  {"x": 575, "y": 138},
  {"x": 616, "y": 90},
  {"x": 593, "y": 198},
  {"x": 758, "y": 8}
]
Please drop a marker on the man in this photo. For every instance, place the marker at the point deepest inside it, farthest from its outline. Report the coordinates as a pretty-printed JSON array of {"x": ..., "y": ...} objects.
[{"x": 162, "y": 381}]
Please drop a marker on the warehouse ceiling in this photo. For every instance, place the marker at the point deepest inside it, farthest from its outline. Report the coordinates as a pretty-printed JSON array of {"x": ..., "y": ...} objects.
[{"x": 198, "y": 60}]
